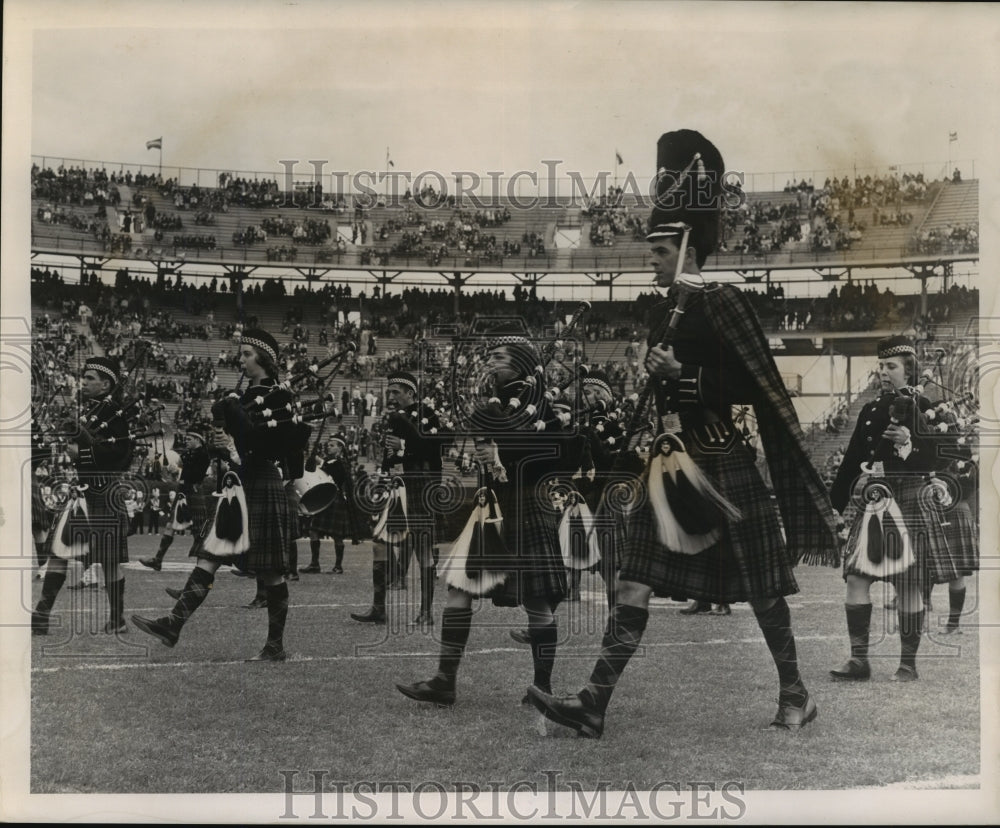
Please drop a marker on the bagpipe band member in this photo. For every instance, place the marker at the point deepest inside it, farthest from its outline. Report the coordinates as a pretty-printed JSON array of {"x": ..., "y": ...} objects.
[
  {"x": 603, "y": 473},
  {"x": 889, "y": 472},
  {"x": 340, "y": 519},
  {"x": 186, "y": 507},
  {"x": 510, "y": 549},
  {"x": 709, "y": 528},
  {"x": 93, "y": 526},
  {"x": 253, "y": 523},
  {"x": 412, "y": 440}
]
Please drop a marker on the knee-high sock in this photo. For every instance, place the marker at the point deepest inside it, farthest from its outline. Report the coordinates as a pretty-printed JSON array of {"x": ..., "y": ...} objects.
[
  {"x": 859, "y": 619},
  {"x": 338, "y": 548},
  {"x": 543, "y": 653},
  {"x": 116, "y": 598},
  {"x": 293, "y": 557},
  {"x": 277, "y": 612},
  {"x": 622, "y": 635},
  {"x": 428, "y": 574},
  {"x": 379, "y": 576},
  {"x": 455, "y": 625},
  {"x": 53, "y": 582},
  {"x": 165, "y": 542},
  {"x": 956, "y": 603},
  {"x": 776, "y": 625},
  {"x": 910, "y": 626},
  {"x": 198, "y": 584},
  {"x": 314, "y": 551}
]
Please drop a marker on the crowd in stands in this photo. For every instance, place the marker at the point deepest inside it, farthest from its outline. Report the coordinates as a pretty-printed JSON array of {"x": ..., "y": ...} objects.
[{"x": 958, "y": 238}]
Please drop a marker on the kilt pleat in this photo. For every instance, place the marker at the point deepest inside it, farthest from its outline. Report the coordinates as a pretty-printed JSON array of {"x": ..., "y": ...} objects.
[
  {"x": 531, "y": 532},
  {"x": 334, "y": 521},
  {"x": 749, "y": 562}
]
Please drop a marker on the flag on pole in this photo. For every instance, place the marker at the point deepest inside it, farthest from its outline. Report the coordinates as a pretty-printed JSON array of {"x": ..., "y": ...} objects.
[
  {"x": 156, "y": 143},
  {"x": 618, "y": 157},
  {"x": 952, "y": 136},
  {"x": 388, "y": 160}
]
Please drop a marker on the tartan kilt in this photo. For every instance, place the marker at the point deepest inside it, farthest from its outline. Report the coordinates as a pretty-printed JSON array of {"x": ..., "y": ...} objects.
[
  {"x": 107, "y": 532},
  {"x": 933, "y": 559},
  {"x": 749, "y": 562},
  {"x": 531, "y": 532},
  {"x": 611, "y": 529},
  {"x": 294, "y": 519},
  {"x": 963, "y": 538},
  {"x": 334, "y": 521},
  {"x": 270, "y": 521}
]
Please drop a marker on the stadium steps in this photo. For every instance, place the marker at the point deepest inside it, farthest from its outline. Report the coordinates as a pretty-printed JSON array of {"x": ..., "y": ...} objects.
[
  {"x": 957, "y": 204},
  {"x": 820, "y": 445}
]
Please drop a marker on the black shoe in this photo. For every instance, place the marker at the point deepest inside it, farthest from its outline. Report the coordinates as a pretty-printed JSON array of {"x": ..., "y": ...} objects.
[
  {"x": 153, "y": 563},
  {"x": 174, "y": 593},
  {"x": 722, "y": 609},
  {"x": 905, "y": 673},
  {"x": 258, "y": 602},
  {"x": 39, "y": 623},
  {"x": 312, "y": 569},
  {"x": 853, "y": 670},
  {"x": 789, "y": 717},
  {"x": 521, "y": 636},
  {"x": 568, "y": 711},
  {"x": 426, "y": 691},
  {"x": 293, "y": 576},
  {"x": 115, "y": 628},
  {"x": 952, "y": 629},
  {"x": 269, "y": 654},
  {"x": 337, "y": 570},
  {"x": 696, "y": 608},
  {"x": 373, "y": 616},
  {"x": 526, "y": 699},
  {"x": 424, "y": 619},
  {"x": 158, "y": 628}
]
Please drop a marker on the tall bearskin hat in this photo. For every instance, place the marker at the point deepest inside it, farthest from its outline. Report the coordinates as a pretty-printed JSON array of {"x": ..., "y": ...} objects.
[{"x": 689, "y": 191}]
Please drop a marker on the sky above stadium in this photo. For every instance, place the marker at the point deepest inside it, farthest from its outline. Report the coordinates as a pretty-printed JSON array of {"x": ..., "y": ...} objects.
[{"x": 507, "y": 86}]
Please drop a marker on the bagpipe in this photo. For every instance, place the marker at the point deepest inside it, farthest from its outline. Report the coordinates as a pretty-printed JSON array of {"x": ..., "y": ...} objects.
[{"x": 689, "y": 510}]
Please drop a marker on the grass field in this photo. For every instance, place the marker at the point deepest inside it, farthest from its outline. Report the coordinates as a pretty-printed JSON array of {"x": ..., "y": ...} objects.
[{"x": 128, "y": 715}]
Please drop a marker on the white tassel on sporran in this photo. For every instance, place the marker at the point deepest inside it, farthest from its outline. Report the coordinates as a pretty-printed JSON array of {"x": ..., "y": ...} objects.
[
  {"x": 230, "y": 532},
  {"x": 690, "y": 512},
  {"x": 577, "y": 539},
  {"x": 879, "y": 544},
  {"x": 71, "y": 533},
  {"x": 392, "y": 525},
  {"x": 468, "y": 565}
]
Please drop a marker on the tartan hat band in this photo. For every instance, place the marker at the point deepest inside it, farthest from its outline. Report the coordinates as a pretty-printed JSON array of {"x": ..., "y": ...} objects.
[
  {"x": 102, "y": 366},
  {"x": 600, "y": 383},
  {"x": 261, "y": 340},
  {"x": 405, "y": 379},
  {"x": 895, "y": 346}
]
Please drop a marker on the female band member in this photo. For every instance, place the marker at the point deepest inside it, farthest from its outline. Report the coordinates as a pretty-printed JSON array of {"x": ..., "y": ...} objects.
[
  {"x": 897, "y": 535},
  {"x": 254, "y": 447}
]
